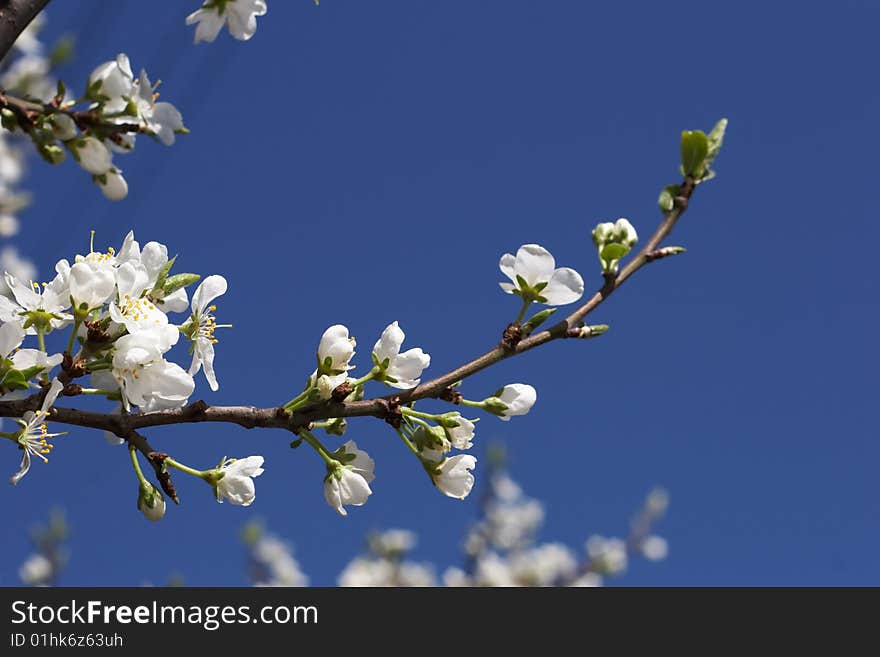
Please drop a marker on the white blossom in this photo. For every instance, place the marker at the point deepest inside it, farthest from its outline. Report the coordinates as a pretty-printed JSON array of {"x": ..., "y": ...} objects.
[
  {"x": 348, "y": 482},
  {"x": 453, "y": 477},
  {"x": 113, "y": 83},
  {"x": 336, "y": 350},
  {"x": 161, "y": 119},
  {"x": 36, "y": 569},
  {"x": 147, "y": 380},
  {"x": 278, "y": 563},
  {"x": 112, "y": 185},
  {"x": 201, "y": 327},
  {"x": 655, "y": 548},
  {"x": 92, "y": 155},
  {"x": 545, "y": 565},
  {"x": 54, "y": 298},
  {"x": 461, "y": 435},
  {"x": 608, "y": 555},
  {"x": 237, "y": 481},
  {"x": 533, "y": 272},
  {"x": 63, "y": 126},
  {"x": 151, "y": 502},
  {"x": 519, "y": 399},
  {"x": 134, "y": 309},
  {"x": 92, "y": 283},
  {"x": 399, "y": 370},
  {"x": 33, "y": 439},
  {"x": 240, "y": 14}
]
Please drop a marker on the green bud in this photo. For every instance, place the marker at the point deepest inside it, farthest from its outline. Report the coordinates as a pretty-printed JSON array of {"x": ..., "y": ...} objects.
[
  {"x": 174, "y": 283},
  {"x": 431, "y": 438},
  {"x": 8, "y": 119},
  {"x": 52, "y": 153},
  {"x": 336, "y": 427},
  {"x": 536, "y": 320}
]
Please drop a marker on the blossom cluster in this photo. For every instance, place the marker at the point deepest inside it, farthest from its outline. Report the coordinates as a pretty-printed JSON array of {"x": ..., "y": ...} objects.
[
  {"x": 116, "y": 306},
  {"x": 118, "y": 106},
  {"x": 430, "y": 436}
]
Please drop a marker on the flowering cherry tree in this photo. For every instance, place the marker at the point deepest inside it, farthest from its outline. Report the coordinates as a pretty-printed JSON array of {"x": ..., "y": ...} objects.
[{"x": 124, "y": 309}]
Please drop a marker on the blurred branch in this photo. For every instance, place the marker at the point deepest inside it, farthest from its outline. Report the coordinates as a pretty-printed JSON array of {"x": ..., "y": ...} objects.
[{"x": 15, "y": 16}]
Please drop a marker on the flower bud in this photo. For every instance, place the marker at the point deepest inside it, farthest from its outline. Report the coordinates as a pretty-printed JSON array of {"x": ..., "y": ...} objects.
[
  {"x": 151, "y": 502},
  {"x": 92, "y": 155},
  {"x": 63, "y": 126},
  {"x": 113, "y": 185}
]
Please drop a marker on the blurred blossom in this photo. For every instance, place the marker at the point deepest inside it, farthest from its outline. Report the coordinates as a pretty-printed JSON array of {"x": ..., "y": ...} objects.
[
  {"x": 36, "y": 570},
  {"x": 274, "y": 563},
  {"x": 655, "y": 548},
  {"x": 608, "y": 555}
]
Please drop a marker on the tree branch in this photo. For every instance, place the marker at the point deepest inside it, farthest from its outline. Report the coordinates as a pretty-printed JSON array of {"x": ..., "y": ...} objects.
[
  {"x": 249, "y": 417},
  {"x": 15, "y": 15}
]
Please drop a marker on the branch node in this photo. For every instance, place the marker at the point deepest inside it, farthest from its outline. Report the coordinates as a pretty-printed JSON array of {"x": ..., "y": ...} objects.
[
  {"x": 196, "y": 408},
  {"x": 157, "y": 459},
  {"x": 393, "y": 415},
  {"x": 341, "y": 391},
  {"x": 72, "y": 390},
  {"x": 511, "y": 337},
  {"x": 451, "y": 395}
]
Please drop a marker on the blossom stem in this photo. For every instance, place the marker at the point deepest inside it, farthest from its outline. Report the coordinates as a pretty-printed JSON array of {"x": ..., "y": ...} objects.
[
  {"x": 318, "y": 447},
  {"x": 522, "y": 313},
  {"x": 76, "y": 322},
  {"x": 132, "y": 450},
  {"x": 409, "y": 443},
  {"x": 201, "y": 474},
  {"x": 475, "y": 404},
  {"x": 369, "y": 376},
  {"x": 41, "y": 339},
  {"x": 417, "y": 414},
  {"x": 300, "y": 400}
]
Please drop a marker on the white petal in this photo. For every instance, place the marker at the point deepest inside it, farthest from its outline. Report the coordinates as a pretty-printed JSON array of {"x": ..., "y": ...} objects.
[
  {"x": 534, "y": 263},
  {"x": 388, "y": 345},
  {"x": 209, "y": 289},
  {"x": 507, "y": 264},
  {"x": 407, "y": 368},
  {"x": 566, "y": 286},
  {"x": 11, "y": 337}
]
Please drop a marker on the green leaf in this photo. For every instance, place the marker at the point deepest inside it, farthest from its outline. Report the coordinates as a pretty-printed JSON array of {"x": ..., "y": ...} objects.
[
  {"x": 694, "y": 149},
  {"x": 716, "y": 139},
  {"x": 613, "y": 251},
  {"x": 667, "y": 197},
  {"x": 14, "y": 380},
  {"x": 61, "y": 52}
]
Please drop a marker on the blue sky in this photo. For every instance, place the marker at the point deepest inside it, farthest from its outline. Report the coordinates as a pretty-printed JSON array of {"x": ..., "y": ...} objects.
[{"x": 362, "y": 162}]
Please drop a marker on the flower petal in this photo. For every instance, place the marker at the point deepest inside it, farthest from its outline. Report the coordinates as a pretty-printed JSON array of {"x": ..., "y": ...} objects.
[
  {"x": 566, "y": 286},
  {"x": 534, "y": 263}
]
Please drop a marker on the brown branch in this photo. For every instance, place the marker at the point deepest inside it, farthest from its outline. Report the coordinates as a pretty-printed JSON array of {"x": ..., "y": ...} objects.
[
  {"x": 249, "y": 417},
  {"x": 15, "y": 15}
]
